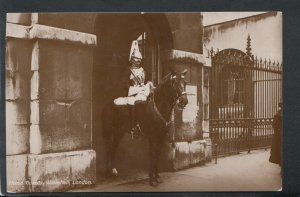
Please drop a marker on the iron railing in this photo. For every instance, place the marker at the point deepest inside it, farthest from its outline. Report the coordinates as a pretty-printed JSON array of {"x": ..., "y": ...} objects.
[{"x": 244, "y": 96}]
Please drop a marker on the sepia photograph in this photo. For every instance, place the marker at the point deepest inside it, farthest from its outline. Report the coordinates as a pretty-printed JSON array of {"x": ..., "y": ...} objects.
[{"x": 143, "y": 101}]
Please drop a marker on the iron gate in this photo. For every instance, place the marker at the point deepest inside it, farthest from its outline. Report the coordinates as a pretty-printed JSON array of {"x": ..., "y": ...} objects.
[{"x": 244, "y": 96}]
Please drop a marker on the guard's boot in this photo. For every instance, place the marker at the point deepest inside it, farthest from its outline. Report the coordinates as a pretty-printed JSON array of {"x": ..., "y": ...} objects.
[{"x": 135, "y": 128}]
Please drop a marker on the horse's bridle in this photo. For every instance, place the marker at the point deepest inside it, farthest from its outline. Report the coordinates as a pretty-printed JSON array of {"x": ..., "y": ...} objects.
[{"x": 178, "y": 95}]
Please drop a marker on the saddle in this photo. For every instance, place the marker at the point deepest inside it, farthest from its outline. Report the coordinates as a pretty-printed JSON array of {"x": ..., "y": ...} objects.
[
  {"x": 149, "y": 98},
  {"x": 141, "y": 102}
]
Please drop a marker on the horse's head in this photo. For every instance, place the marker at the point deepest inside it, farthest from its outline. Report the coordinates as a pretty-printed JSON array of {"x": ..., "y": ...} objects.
[{"x": 178, "y": 84}]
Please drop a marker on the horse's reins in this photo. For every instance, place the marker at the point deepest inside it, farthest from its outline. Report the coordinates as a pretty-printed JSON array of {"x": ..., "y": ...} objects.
[{"x": 167, "y": 123}]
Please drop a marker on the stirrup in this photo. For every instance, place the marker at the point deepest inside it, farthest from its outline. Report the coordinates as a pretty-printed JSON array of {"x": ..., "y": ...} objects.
[
  {"x": 138, "y": 128},
  {"x": 135, "y": 130}
]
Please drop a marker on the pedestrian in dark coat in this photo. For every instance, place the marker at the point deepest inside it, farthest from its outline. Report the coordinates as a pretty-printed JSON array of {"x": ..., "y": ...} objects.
[{"x": 276, "y": 149}]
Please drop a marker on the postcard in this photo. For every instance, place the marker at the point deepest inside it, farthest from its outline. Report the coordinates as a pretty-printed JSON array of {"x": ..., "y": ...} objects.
[{"x": 143, "y": 101}]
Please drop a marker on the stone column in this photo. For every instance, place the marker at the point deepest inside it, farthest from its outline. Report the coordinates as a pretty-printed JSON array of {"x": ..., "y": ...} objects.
[
  {"x": 186, "y": 146},
  {"x": 205, "y": 98},
  {"x": 58, "y": 109},
  {"x": 17, "y": 97}
]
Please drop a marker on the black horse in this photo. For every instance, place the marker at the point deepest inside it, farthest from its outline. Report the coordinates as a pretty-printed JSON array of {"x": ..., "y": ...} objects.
[{"x": 153, "y": 118}]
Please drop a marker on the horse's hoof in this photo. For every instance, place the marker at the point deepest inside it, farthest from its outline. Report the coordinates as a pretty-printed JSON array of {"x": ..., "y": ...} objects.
[{"x": 114, "y": 172}]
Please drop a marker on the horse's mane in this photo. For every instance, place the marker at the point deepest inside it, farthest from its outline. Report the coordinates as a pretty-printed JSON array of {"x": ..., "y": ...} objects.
[{"x": 163, "y": 81}]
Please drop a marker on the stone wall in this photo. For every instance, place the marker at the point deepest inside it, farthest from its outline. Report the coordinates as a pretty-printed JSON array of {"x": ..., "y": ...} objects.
[
  {"x": 189, "y": 144},
  {"x": 48, "y": 106}
]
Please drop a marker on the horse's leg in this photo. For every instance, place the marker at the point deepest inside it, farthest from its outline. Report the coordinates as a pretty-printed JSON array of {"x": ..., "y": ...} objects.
[
  {"x": 107, "y": 142},
  {"x": 152, "y": 181},
  {"x": 157, "y": 154},
  {"x": 107, "y": 133},
  {"x": 114, "y": 145}
]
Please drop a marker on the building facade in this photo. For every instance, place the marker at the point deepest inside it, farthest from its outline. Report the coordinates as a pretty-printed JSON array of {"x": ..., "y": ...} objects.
[
  {"x": 265, "y": 31},
  {"x": 245, "y": 80}
]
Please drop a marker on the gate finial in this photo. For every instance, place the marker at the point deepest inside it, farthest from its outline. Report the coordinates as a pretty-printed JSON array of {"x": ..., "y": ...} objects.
[{"x": 248, "y": 48}]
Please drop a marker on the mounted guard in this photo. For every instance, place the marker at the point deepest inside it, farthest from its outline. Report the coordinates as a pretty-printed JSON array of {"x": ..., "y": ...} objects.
[
  {"x": 138, "y": 90},
  {"x": 154, "y": 118}
]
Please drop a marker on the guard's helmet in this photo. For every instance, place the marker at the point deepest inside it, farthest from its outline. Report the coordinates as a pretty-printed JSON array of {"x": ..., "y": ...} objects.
[{"x": 135, "y": 53}]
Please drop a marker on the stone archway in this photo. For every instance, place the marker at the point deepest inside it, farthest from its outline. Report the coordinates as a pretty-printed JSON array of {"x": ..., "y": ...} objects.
[
  {"x": 174, "y": 47},
  {"x": 115, "y": 33}
]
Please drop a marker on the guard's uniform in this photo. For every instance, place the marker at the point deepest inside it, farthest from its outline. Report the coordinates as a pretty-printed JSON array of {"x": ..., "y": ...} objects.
[{"x": 138, "y": 90}]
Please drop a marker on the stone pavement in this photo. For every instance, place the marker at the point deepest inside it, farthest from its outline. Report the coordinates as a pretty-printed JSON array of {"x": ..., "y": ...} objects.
[{"x": 243, "y": 172}]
